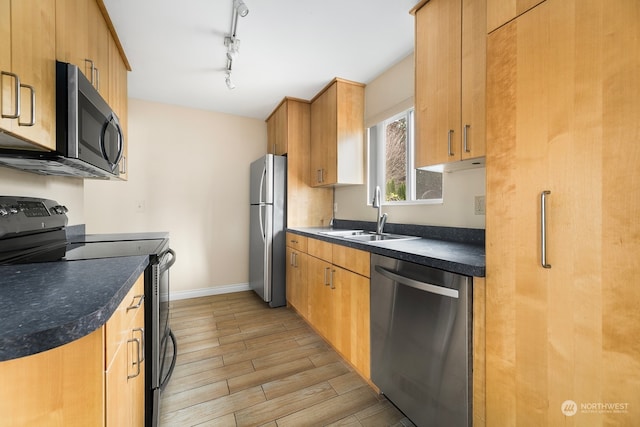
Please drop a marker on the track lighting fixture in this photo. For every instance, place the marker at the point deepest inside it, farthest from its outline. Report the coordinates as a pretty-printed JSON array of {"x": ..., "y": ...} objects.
[{"x": 231, "y": 41}]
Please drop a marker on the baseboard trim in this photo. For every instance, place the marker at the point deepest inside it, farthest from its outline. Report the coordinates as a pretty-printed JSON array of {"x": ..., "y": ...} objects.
[{"x": 205, "y": 292}]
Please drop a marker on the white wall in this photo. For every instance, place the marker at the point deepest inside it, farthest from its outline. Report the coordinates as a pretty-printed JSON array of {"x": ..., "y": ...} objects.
[
  {"x": 68, "y": 191},
  {"x": 390, "y": 93},
  {"x": 189, "y": 175}
]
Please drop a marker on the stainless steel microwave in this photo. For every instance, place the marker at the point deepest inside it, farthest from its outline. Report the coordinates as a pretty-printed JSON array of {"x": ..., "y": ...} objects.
[{"x": 89, "y": 138}]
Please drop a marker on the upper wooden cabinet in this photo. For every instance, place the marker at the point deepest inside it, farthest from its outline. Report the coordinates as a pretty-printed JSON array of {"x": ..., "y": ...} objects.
[
  {"x": 337, "y": 134},
  {"x": 280, "y": 128},
  {"x": 450, "y": 76},
  {"x": 288, "y": 129},
  {"x": 499, "y": 12},
  {"x": 118, "y": 100},
  {"x": 562, "y": 116},
  {"x": 27, "y": 64}
]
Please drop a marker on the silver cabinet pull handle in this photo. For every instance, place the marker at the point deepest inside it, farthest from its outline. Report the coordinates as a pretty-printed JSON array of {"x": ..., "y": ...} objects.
[
  {"x": 465, "y": 138},
  {"x": 326, "y": 280},
  {"x": 90, "y": 62},
  {"x": 295, "y": 259},
  {"x": 33, "y": 106},
  {"x": 543, "y": 229},
  {"x": 141, "y": 330},
  {"x": 123, "y": 164},
  {"x": 97, "y": 78},
  {"x": 291, "y": 260},
  {"x": 132, "y": 306},
  {"x": 331, "y": 285},
  {"x": 449, "y": 137},
  {"x": 16, "y": 88},
  {"x": 136, "y": 363}
]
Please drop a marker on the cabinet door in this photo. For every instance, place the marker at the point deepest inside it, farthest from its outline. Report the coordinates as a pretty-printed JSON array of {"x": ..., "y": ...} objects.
[
  {"x": 137, "y": 382},
  {"x": 438, "y": 65},
  {"x": 562, "y": 106},
  {"x": 297, "y": 281},
  {"x": 323, "y": 138},
  {"x": 60, "y": 387},
  {"x": 72, "y": 38},
  {"x": 359, "y": 323},
  {"x": 473, "y": 83},
  {"x": 99, "y": 38},
  {"x": 320, "y": 313},
  {"x": 119, "y": 101},
  {"x": 277, "y": 130},
  {"x": 33, "y": 57}
]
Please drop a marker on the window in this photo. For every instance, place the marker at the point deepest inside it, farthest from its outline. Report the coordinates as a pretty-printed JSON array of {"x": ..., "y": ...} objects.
[{"x": 391, "y": 147}]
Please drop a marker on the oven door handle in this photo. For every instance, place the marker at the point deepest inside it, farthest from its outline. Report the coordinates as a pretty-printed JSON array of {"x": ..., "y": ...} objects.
[
  {"x": 165, "y": 380},
  {"x": 167, "y": 265}
]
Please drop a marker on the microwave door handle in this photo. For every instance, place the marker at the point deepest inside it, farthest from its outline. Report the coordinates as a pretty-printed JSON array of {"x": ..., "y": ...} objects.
[{"x": 111, "y": 119}]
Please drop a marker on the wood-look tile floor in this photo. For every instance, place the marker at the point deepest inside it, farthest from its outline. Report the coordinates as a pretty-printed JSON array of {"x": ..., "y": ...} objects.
[{"x": 241, "y": 363}]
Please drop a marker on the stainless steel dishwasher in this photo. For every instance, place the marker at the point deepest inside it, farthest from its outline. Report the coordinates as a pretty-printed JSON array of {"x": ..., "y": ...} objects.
[{"x": 421, "y": 340}]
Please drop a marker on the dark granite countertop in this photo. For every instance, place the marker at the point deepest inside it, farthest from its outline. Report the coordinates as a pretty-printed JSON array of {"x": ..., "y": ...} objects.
[
  {"x": 46, "y": 305},
  {"x": 458, "y": 250}
]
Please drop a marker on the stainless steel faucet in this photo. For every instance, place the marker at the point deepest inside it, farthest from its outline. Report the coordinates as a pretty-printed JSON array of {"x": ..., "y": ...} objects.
[{"x": 377, "y": 203}]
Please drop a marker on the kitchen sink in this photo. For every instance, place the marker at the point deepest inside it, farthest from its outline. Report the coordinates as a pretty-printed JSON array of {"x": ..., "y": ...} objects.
[
  {"x": 344, "y": 233},
  {"x": 366, "y": 236},
  {"x": 372, "y": 237}
]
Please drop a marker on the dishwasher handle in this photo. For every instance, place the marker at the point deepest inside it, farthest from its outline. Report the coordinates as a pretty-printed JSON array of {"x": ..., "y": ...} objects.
[{"x": 427, "y": 287}]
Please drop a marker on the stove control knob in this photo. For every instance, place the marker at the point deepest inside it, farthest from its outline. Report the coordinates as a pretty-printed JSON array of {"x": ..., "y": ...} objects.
[
  {"x": 4, "y": 212},
  {"x": 13, "y": 210}
]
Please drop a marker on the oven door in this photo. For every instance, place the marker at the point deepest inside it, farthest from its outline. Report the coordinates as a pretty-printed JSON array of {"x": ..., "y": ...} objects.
[{"x": 163, "y": 342}]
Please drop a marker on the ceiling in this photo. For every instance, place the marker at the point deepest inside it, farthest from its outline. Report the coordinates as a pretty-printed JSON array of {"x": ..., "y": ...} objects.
[{"x": 288, "y": 48}]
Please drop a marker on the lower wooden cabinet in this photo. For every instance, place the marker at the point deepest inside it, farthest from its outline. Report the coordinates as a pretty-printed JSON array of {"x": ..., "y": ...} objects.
[
  {"x": 59, "y": 387},
  {"x": 297, "y": 290},
  {"x": 125, "y": 370},
  {"x": 93, "y": 381},
  {"x": 338, "y": 299}
]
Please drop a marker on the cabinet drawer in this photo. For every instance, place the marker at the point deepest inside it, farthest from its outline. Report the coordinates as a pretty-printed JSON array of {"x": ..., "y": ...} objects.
[
  {"x": 118, "y": 326},
  {"x": 352, "y": 259},
  {"x": 320, "y": 249},
  {"x": 297, "y": 241}
]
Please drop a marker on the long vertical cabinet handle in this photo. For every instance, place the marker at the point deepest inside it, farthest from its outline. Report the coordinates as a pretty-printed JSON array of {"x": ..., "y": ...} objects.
[
  {"x": 16, "y": 89},
  {"x": 332, "y": 286},
  {"x": 449, "y": 138},
  {"x": 326, "y": 280},
  {"x": 33, "y": 106},
  {"x": 465, "y": 138},
  {"x": 543, "y": 229}
]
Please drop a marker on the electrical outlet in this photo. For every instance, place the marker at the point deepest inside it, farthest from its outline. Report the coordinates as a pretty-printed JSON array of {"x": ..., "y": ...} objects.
[{"x": 478, "y": 206}]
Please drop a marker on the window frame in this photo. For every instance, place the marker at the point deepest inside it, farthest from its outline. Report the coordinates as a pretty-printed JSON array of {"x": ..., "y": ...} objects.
[{"x": 376, "y": 136}]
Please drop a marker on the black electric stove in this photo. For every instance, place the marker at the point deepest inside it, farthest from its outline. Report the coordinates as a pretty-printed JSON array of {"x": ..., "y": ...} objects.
[{"x": 109, "y": 249}]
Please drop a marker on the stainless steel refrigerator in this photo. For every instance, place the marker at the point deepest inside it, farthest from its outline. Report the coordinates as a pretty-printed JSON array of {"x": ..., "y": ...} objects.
[{"x": 268, "y": 203}]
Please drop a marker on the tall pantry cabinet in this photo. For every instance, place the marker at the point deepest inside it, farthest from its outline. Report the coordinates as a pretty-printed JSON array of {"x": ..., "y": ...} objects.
[{"x": 563, "y": 109}]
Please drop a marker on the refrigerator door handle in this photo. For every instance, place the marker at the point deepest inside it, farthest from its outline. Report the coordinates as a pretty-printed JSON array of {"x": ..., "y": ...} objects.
[
  {"x": 263, "y": 190},
  {"x": 262, "y": 228}
]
